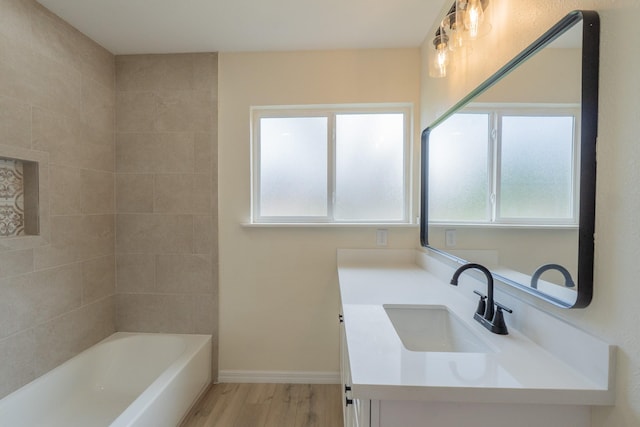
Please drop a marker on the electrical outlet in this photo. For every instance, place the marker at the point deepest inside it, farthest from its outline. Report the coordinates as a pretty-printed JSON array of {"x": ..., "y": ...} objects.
[
  {"x": 450, "y": 238},
  {"x": 381, "y": 237}
]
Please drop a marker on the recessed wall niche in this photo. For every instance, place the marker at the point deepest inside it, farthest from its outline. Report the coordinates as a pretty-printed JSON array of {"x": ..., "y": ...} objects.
[
  {"x": 24, "y": 198},
  {"x": 18, "y": 197}
]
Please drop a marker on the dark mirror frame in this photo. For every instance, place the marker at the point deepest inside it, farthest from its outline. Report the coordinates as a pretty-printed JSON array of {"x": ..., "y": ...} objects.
[{"x": 588, "y": 133}]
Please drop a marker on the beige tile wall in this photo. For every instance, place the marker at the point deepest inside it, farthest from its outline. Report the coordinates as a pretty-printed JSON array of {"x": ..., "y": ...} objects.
[
  {"x": 166, "y": 192},
  {"x": 57, "y": 98}
]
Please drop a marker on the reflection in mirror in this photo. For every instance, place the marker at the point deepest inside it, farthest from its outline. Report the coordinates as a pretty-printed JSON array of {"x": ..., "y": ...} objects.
[{"x": 509, "y": 172}]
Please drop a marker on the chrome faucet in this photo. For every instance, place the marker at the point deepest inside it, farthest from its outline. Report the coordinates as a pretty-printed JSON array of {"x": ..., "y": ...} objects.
[
  {"x": 489, "y": 313},
  {"x": 568, "y": 281}
]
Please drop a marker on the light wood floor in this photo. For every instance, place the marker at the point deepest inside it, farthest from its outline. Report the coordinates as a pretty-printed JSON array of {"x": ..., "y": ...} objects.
[{"x": 268, "y": 405}]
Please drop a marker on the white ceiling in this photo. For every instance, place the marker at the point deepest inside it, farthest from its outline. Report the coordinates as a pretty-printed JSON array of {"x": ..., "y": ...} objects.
[{"x": 164, "y": 26}]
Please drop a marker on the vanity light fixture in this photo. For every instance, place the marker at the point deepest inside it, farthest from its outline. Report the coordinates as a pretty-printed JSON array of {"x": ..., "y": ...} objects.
[
  {"x": 441, "y": 59},
  {"x": 453, "y": 26},
  {"x": 465, "y": 21},
  {"x": 474, "y": 18}
]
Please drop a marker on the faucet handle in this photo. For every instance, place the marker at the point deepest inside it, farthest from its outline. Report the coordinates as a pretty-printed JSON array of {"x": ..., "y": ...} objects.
[
  {"x": 481, "y": 295},
  {"x": 502, "y": 307},
  {"x": 497, "y": 323},
  {"x": 498, "y": 326},
  {"x": 482, "y": 304}
]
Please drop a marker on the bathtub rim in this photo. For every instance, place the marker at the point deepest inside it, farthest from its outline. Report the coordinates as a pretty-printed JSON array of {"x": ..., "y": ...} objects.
[
  {"x": 194, "y": 345},
  {"x": 139, "y": 406}
]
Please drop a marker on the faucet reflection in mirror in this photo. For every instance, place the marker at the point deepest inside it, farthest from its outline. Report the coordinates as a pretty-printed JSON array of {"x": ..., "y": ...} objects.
[
  {"x": 465, "y": 21},
  {"x": 568, "y": 280}
]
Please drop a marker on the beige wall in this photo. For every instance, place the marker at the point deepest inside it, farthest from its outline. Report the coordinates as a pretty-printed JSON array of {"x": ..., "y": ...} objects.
[
  {"x": 549, "y": 65},
  {"x": 56, "y": 103},
  {"x": 166, "y": 193},
  {"x": 278, "y": 286},
  {"x": 613, "y": 314}
]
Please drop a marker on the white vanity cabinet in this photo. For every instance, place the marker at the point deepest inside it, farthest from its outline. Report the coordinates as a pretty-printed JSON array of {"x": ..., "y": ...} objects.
[
  {"x": 551, "y": 381},
  {"x": 355, "y": 411},
  {"x": 364, "y": 412},
  {"x": 406, "y": 413}
]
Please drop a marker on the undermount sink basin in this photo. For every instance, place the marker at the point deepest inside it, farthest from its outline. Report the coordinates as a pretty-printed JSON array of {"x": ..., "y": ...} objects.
[{"x": 433, "y": 328}]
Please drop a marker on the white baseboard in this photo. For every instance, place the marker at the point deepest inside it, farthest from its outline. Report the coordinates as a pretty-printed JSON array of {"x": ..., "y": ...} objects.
[{"x": 286, "y": 377}]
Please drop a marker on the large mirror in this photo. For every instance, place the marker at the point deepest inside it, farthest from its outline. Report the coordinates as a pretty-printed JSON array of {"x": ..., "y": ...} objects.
[{"x": 508, "y": 174}]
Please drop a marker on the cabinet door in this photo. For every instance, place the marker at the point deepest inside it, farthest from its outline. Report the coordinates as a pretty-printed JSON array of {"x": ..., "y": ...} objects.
[
  {"x": 355, "y": 412},
  {"x": 348, "y": 409},
  {"x": 362, "y": 412}
]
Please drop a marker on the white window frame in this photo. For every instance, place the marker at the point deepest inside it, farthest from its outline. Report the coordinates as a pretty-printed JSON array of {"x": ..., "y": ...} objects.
[
  {"x": 495, "y": 112},
  {"x": 330, "y": 112}
]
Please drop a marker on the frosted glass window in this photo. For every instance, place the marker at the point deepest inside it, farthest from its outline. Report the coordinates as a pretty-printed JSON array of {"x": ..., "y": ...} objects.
[
  {"x": 293, "y": 166},
  {"x": 369, "y": 167},
  {"x": 536, "y": 176},
  {"x": 458, "y": 169},
  {"x": 331, "y": 164}
]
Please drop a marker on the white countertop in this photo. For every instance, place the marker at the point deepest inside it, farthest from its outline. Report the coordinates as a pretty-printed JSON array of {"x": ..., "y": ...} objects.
[{"x": 517, "y": 371}]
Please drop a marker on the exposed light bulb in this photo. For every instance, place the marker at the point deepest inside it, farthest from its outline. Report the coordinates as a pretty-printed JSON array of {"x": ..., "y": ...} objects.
[
  {"x": 474, "y": 15},
  {"x": 455, "y": 26},
  {"x": 466, "y": 21},
  {"x": 457, "y": 38},
  {"x": 441, "y": 58}
]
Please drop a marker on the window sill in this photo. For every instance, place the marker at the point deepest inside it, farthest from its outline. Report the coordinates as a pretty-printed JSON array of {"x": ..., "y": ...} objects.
[
  {"x": 506, "y": 226},
  {"x": 328, "y": 225}
]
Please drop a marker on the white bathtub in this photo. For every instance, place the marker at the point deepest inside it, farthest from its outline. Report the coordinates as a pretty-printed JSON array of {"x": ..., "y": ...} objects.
[{"x": 126, "y": 380}]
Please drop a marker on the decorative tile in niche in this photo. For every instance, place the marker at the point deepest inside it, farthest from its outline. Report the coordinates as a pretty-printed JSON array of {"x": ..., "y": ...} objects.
[
  {"x": 11, "y": 198},
  {"x": 18, "y": 197}
]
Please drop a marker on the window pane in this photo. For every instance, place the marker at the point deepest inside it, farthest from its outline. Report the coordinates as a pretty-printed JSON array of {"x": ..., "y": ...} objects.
[
  {"x": 293, "y": 166},
  {"x": 369, "y": 167},
  {"x": 536, "y": 179},
  {"x": 458, "y": 175}
]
